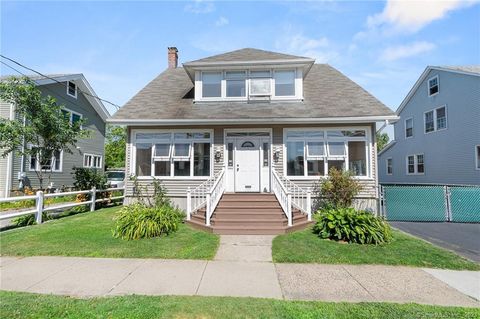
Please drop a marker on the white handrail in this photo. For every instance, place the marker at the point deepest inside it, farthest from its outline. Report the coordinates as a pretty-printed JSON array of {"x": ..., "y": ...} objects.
[
  {"x": 202, "y": 196},
  {"x": 283, "y": 196},
  {"x": 301, "y": 198}
]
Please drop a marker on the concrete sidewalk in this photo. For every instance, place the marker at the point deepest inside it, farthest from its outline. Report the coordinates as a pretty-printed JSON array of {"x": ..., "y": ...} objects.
[{"x": 234, "y": 272}]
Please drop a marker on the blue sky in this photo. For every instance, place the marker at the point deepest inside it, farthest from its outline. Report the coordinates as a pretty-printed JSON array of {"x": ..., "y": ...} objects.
[{"x": 121, "y": 46}]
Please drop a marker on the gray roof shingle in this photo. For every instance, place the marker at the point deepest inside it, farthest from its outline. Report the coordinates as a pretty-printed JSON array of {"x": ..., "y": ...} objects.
[
  {"x": 327, "y": 93},
  {"x": 247, "y": 54},
  {"x": 463, "y": 68}
]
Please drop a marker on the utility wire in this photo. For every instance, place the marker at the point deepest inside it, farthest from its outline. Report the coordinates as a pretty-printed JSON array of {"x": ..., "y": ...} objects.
[
  {"x": 45, "y": 87},
  {"x": 46, "y": 76}
]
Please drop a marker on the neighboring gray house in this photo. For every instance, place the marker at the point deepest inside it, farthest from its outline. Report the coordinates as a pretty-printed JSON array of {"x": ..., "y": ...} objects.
[
  {"x": 437, "y": 139},
  {"x": 250, "y": 131},
  {"x": 16, "y": 170}
]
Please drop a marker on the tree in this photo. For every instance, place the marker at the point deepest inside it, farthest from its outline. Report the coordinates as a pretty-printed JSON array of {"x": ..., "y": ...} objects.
[
  {"x": 382, "y": 141},
  {"x": 115, "y": 146},
  {"x": 40, "y": 128}
]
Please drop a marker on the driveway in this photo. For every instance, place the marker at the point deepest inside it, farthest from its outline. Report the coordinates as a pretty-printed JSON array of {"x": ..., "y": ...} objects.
[{"x": 462, "y": 238}]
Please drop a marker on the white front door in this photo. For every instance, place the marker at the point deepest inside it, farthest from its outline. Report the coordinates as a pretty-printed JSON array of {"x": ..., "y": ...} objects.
[{"x": 247, "y": 165}]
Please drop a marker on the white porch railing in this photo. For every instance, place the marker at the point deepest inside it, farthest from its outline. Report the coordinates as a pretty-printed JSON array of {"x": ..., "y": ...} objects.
[
  {"x": 40, "y": 207},
  {"x": 207, "y": 194},
  {"x": 283, "y": 196},
  {"x": 290, "y": 194}
]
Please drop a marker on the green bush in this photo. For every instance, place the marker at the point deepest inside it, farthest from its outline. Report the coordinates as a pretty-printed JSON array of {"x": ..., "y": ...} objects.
[
  {"x": 338, "y": 190},
  {"x": 87, "y": 178},
  {"x": 350, "y": 225},
  {"x": 27, "y": 220},
  {"x": 140, "y": 221}
]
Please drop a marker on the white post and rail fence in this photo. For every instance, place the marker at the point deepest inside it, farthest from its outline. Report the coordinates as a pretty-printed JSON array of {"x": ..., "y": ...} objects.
[{"x": 40, "y": 197}]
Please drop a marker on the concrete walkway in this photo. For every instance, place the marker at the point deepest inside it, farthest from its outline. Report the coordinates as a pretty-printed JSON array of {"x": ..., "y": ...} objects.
[{"x": 241, "y": 268}]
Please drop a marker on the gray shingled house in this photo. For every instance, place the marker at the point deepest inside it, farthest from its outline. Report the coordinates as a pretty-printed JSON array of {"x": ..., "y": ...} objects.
[
  {"x": 239, "y": 139},
  {"x": 18, "y": 171},
  {"x": 437, "y": 140}
]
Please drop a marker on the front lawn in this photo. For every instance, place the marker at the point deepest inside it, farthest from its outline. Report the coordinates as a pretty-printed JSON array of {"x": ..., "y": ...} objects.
[
  {"x": 90, "y": 235},
  {"x": 23, "y": 305},
  {"x": 306, "y": 247}
]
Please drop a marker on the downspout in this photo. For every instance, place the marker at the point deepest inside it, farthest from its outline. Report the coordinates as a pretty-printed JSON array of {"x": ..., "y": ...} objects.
[
  {"x": 8, "y": 184},
  {"x": 377, "y": 191},
  {"x": 383, "y": 126},
  {"x": 22, "y": 161}
]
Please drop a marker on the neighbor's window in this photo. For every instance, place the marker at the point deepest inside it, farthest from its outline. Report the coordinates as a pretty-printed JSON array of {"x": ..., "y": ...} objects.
[
  {"x": 235, "y": 82},
  {"x": 71, "y": 89},
  {"x": 342, "y": 149},
  {"x": 284, "y": 83},
  {"x": 409, "y": 127},
  {"x": 415, "y": 164},
  {"x": 40, "y": 162},
  {"x": 72, "y": 116},
  {"x": 212, "y": 84},
  {"x": 92, "y": 161},
  {"x": 433, "y": 86},
  {"x": 173, "y": 154},
  {"x": 477, "y": 149},
  {"x": 436, "y": 120},
  {"x": 389, "y": 166}
]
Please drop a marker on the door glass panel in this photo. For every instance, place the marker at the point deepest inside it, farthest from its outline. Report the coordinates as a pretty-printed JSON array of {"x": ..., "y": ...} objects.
[
  {"x": 266, "y": 150},
  {"x": 230, "y": 154}
]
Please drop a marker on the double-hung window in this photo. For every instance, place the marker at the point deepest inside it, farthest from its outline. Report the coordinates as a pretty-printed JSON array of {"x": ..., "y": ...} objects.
[
  {"x": 415, "y": 164},
  {"x": 92, "y": 161},
  {"x": 211, "y": 84},
  {"x": 408, "y": 127},
  {"x": 284, "y": 83},
  {"x": 173, "y": 154},
  {"x": 72, "y": 89},
  {"x": 436, "y": 120},
  {"x": 71, "y": 116},
  {"x": 39, "y": 162},
  {"x": 325, "y": 149},
  {"x": 477, "y": 156},
  {"x": 389, "y": 166},
  {"x": 433, "y": 87},
  {"x": 235, "y": 83}
]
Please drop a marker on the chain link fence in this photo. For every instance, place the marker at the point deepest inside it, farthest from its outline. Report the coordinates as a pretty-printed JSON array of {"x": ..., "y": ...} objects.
[{"x": 432, "y": 203}]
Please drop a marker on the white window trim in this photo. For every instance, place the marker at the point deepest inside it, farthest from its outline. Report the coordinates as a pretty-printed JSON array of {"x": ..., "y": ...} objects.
[
  {"x": 405, "y": 128},
  {"x": 133, "y": 151},
  {"x": 92, "y": 155},
  {"x": 368, "y": 148},
  {"x": 386, "y": 165},
  {"x": 71, "y": 115},
  {"x": 428, "y": 86},
  {"x": 298, "y": 84},
  {"x": 37, "y": 164},
  {"x": 477, "y": 151},
  {"x": 415, "y": 164},
  {"x": 76, "y": 89},
  {"x": 435, "y": 129}
]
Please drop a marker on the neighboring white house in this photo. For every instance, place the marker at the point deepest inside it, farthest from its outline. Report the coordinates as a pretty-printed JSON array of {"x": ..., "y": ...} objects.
[
  {"x": 248, "y": 120},
  {"x": 437, "y": 139}
]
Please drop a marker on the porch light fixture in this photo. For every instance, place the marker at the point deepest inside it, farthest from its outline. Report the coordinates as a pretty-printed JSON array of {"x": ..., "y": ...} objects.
[
  {"x": 218, "y": 156},
  {"x": 276, "y": 156}
]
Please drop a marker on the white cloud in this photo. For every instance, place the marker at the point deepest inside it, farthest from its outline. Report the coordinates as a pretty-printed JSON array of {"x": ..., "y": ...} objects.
[
  {"x": 200, "y": 6},
  {"x": 411, "y": 16},
  {"x": 221, "y": 22},
  {"x": 406, "y": 51},
  {"x": 299, "y": 44}
]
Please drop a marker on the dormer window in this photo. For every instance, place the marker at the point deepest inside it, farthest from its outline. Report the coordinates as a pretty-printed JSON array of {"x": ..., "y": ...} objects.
[
  {"x": 260, "y": 83},
  {"x": 433, "y": 86},
  {"x": 211, "y": 84},
  {"x": 284, "y": 83},
  {"x": 235, "y": 82},
  {"x": 72, "y": 89}
]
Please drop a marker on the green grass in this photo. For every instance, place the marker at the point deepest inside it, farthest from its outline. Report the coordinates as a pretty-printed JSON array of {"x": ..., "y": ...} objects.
[
  {"x": 31, "y": 203},
  {"x": 306, "y": 247},
  {"x": 23, "y": 305},
  {"x": 90, "y": 235}
]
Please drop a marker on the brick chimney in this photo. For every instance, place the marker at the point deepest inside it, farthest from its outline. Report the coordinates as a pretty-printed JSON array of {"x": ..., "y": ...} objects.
[{"x": 172, "y": 57}]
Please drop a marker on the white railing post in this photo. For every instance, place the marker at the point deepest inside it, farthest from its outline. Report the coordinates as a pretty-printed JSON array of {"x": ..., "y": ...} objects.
[
  {"x": 207, "y": 212},
  {"x": 289, "y": 209},
  {"x": 93, "y": 198},
  {"x": 309, "y": 206},
  {"x": 39, "y": 213},
  {"x": 189, "y": 203}
]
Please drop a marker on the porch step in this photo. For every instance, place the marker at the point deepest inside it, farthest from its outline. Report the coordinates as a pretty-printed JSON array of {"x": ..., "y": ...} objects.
[{"x": 249, "y": 230}]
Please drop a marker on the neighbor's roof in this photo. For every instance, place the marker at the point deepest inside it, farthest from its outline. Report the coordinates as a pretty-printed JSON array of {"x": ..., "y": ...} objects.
[
  {"x": 248, "y": 55},
  {"x": 462, "y": 68},
  {"x": 328, "y": 95},
  {"x": 79, "y": 79}
]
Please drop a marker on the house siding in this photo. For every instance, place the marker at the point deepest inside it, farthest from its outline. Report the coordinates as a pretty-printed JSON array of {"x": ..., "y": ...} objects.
[
  {"x": 4, "y": 174},
  {"x": 177, "y": 188},
  {"x": 92, "y": 145},
  {"x": 449, "y": 154}
]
